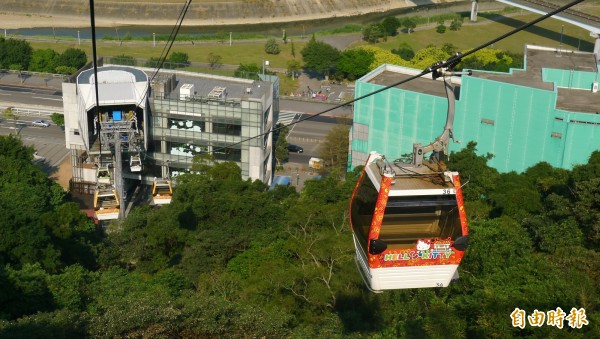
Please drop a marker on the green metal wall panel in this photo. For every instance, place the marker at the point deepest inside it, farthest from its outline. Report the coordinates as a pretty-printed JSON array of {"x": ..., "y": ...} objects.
[
  {"x": 519, "y": 125},
  {"x": 570, "y": 78},
  {"x": 583, "y": 133}
]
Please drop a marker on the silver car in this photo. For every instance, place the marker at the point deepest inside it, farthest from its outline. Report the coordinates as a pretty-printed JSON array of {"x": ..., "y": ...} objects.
[{"x": 41, "y": 123}]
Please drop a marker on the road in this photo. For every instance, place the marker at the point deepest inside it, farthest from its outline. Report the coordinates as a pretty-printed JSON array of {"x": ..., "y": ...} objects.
[
  {"x": 49, "y": 142},
  {"x": 30, "y": 96}
]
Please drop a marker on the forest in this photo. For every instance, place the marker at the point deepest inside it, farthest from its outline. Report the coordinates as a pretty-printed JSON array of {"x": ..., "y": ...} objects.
[{"x": 230, "y": 259}]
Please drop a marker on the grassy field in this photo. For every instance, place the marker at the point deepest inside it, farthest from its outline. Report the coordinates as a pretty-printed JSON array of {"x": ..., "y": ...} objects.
[{"x": 547, "y": 33}]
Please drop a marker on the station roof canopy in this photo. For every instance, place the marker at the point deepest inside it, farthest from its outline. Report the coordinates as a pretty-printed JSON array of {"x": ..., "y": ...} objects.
[{"x": 117, "y": 85}]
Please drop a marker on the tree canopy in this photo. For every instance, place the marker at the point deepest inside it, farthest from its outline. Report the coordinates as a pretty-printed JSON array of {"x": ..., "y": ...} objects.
[
  {"x": 319, "y": 56},
  {"x": 229, "y": 258}
]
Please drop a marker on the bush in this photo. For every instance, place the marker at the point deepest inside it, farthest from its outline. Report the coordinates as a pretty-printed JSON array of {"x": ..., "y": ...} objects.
[
  {"x": 124, "y": 60},
  {"x": 58, "y": 118},
  {"x": 441, "y": 29},
  {"x": 271, "y": 47}
]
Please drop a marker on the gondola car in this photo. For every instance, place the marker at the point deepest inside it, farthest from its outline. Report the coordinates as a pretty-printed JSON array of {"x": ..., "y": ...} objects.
[
  {"x": 103, "y": 175},
  {"x": 409, "y": 225},
  {"x": 135, "y": 163},
  {"x": 106, "y": 203},
  {"x": 162, "y": 192},
  {"x": 408, "y": 219}
]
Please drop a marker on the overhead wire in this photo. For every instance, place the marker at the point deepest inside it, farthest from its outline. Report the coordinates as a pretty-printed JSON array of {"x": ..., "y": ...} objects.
[
  {"x": 171, "y": 39},
  {"x": 167, "y": 47},
  {"x": 452, "y": 61}
]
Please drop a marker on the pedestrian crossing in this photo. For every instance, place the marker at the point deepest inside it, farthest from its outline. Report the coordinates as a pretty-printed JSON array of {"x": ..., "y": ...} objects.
[{"x": 287, "y": 117}]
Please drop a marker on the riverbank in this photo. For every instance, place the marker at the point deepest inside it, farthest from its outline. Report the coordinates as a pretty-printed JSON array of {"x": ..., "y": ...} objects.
[{"x": 111, "y": 17}]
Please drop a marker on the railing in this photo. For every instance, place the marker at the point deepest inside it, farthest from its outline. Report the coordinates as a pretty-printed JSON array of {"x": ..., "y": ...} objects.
[
  {"x": 37, "y": 74},
  {"x": 18, "y": 111}
]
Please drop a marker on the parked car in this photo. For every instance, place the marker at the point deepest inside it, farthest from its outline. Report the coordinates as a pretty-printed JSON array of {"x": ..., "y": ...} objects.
[
  {"x": 41, "y": 123},
  {"x": 295, "y": 148}
]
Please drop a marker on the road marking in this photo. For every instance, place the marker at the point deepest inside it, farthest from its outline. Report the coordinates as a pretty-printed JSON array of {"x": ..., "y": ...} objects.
[
  {"x": 287, "y": 117},
  {"x": 47, "y": 98}
]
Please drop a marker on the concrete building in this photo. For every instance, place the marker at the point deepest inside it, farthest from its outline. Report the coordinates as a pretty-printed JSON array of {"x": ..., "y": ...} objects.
[
  {"x": 547, "y": 111},
  {"x": 143, "y": 127},
  {"x": 216, "y": 115}
]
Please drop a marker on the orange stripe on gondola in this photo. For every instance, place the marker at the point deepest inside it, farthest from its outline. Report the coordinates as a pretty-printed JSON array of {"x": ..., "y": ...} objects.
[
  {"x": 461, "y": 206},
  {"x": 382, "y": 198}
]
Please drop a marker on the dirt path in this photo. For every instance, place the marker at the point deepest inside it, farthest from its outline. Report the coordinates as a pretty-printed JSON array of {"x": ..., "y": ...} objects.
[{"x": 63, "y": 174}]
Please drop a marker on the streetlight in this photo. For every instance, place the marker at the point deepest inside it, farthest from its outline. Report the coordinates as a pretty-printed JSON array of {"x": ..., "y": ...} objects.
[
  {"x": 562, "y": 30},
  {"x": 154, "y": 39},
  {"x": 264, "y": 65},
  {"x": 78, "y": 39}
]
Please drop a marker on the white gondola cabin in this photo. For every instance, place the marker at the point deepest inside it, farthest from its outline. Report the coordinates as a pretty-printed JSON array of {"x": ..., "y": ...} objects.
[
  {"x": 103, "y": 176},
  {"x": 162, "y": 192},
  {"x": 135, "y": 163},
  {"x": 409, "y": 225},
  {"x": 106, "y": 203}
]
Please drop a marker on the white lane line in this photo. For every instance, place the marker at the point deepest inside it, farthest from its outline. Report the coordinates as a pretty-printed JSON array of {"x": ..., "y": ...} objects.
[{"x": 47, "y": 98}]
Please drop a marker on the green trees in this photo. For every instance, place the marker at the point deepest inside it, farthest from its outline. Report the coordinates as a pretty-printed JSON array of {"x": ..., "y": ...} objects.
[
  {"x": 334, "y": 149},
  {"x": 15, "y": 53},
  {"x": 179, "y": 59},
  {"x": 293, "y": 67},
  {"x": 354, "y": 63},
  {"x": 58, "y": 118},
  {"x": 409, "y": 23},
  {"x": 228, "y": 258},
  {"x": 281, "y": 151},
  {"x": 72, "y": 57},
  {"x": 319, "y": 56},
  {"x": 405, "y": 51},
  {"x": 249, "y": 71},
  {"x": 456, "y": 24},
  {"x": 49, "y": 61},
  {"x": 44, "y": 60},
  {"x": 391, "y": 25},
  {"x": 491, "y": 60},
  {"x": 373, "y": 32}
]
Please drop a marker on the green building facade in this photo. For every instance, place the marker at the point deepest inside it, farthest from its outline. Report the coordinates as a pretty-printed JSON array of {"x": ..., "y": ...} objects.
[{"x": 520, "y": 125}]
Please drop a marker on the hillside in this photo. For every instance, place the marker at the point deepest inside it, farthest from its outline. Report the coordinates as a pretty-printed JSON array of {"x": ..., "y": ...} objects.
[{"x": 203, "y": 12}]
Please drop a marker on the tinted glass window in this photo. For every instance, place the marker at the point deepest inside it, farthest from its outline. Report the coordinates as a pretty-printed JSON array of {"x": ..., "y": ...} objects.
[
  {"x": 408, "y": 219},
  {"x": 363, "y": 206}
]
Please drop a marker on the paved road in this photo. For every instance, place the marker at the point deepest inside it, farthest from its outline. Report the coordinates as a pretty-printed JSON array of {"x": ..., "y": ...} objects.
[{"x": 49, "y": 142}]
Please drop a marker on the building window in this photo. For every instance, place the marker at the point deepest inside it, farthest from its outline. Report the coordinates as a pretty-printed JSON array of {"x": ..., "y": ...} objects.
[
  {"x": 227, "y": 128},
  {"x": 556, "y": 135},
  {"x": 187, "y": 125},
  {"x": 487, "y": 121},
  {"x": 227, "y": 154},
  {"x": 186, "y": 150}
]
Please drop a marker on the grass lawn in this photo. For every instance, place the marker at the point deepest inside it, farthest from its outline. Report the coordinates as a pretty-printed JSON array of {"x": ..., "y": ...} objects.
[{"x": 546, "y": 33}]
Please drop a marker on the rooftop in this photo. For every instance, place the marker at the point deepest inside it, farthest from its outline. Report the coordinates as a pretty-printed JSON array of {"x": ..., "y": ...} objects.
[
  {"x": 537, "y": 59},
  {"x": 213, "y": 86}
]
